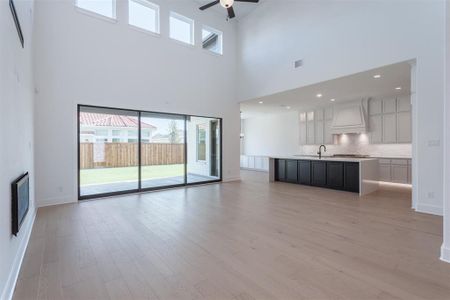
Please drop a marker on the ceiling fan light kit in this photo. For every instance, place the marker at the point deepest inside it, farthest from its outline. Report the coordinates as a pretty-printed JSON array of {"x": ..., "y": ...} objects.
[{"x": 228, "y": 4}]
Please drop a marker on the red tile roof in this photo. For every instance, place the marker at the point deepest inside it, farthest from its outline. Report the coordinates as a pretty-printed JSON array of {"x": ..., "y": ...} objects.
[{"x": 93, "y": 119}]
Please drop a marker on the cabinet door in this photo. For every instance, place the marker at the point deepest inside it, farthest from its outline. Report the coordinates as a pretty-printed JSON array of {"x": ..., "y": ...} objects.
[
  {"x": 389, "y": 128},
  {"x": 310, "y": 128},
  {"x": 376, "y": 132},
  {"x": 409, "y": 173},
  {"x": 351, "y": 177},
  {"x": 389, "y": 106},
  {"x": 375, "y": 107},
  {"x": 280, "y": 167},
  {"x": 318, "y": 173},
  {"x": 404, "y": 127},
  {"x": 335, "y": 175},
  {"x": 318, "y": 133},
  {"x": 302, "y": 133},
  {"x": 304, "y": 172},
  {"x": 385, "y": 173},
  {"x": 399, "y": 173},
  {"x": 404, "y": 104},
  {"x": 327, "y": 135},
  {"x": 291, "y": 170}
]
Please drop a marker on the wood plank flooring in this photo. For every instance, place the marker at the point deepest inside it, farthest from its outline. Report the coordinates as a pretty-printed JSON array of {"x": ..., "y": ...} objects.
[{"x": 242, "y": 240}]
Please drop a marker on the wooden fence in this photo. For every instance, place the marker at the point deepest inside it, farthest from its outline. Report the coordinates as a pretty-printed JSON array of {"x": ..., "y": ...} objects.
[{"x": 114, "y": 155}]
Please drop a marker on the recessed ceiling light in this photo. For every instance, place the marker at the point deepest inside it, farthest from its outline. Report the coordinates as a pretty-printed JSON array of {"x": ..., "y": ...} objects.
[
  {"x": 332, "y": 100},
  {"x": 319, "y": 95},
  {"x": 398, "y": 88},
  {"x": 377, "y": 76},
  {"x": 261, "y": 102},
  {"x": 288, "y": 107}
]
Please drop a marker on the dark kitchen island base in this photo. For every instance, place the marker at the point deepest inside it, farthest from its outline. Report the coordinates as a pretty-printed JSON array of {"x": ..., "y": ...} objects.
[{"x": 352, "y": 175}]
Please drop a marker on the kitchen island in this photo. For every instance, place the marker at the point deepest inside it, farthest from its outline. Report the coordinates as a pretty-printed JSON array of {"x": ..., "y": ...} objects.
[{"x": 358, "y": 175}]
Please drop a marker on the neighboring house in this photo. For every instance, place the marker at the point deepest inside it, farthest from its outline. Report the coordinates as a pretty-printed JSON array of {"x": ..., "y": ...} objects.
[
  {"x": 166, "y": 138},
  {"x": 105, "y": 128}
]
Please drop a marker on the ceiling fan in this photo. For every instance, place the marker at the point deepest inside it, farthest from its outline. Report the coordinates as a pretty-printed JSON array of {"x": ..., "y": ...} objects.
[{"x": 228, "y": 4}]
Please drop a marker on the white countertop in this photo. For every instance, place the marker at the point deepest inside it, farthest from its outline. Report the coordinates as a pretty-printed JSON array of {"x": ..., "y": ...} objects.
[{"x": 324, "y": 158}]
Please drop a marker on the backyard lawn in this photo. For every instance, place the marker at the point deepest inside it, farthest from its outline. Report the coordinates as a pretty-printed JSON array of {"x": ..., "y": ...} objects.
[{"x": 109, "y": 175}]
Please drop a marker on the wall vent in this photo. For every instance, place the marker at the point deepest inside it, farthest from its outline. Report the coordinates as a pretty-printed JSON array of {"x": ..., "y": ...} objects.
[{"x": 298, "y": 63}]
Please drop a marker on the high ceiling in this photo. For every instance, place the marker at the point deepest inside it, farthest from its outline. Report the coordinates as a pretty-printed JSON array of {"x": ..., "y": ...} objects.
[
  {"x": 241, "y": 9},
  {"x": 356, "y": 86}
]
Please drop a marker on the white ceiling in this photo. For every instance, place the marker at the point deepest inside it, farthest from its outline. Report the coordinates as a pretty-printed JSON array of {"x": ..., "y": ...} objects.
[
  {"x": 356, "y": 86},
  {"x": 241, "y": 9}
]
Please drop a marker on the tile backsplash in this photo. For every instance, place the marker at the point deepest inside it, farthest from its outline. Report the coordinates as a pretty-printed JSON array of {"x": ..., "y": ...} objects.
[{"x": 359, "y": 144}]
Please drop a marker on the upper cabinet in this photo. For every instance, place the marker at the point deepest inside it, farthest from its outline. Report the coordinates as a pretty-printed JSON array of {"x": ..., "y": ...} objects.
[{"x": 390, "y": 120}]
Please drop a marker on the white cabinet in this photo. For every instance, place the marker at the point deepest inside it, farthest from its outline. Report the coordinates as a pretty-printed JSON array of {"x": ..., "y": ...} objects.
[
  {"x": 252, "y": 162},
  {"x": 385, "y": 172},
  {"x": 310, "y": 128},
  {"x": 315, "y": 126},
  {"x": 319, "y": 133},
  {"x": 327, "y": 135},
  {"x": 375, "y": 129},
  {"x": 390, "y": 120},
  {"x": 404, "y": 127},
  {"x": 389, "y": 128},
  {"x": 395, "y": 170},
  {"x": 389, "y": 106}
]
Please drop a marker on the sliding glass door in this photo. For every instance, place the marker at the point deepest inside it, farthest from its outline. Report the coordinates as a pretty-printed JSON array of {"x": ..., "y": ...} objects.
[
  {"x": 162, "y": 150},
  {"x": 203, "y": 144},
  {"x": 108, "y": 151},
  {"x": 125, "y": 151}
]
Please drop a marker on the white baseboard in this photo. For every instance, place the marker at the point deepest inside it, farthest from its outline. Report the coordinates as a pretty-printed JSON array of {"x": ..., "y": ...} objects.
[
  {"x": 430, "y": 209},
  {"x": 231, "y": 179},
  {"x": 10, "y": 285},
  {"x": 445, "y": 254},
  {"x": 56, "y": 201}
]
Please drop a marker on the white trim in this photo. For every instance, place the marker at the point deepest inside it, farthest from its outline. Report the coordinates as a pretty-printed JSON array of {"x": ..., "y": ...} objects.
[
  {"x": 95, "y": 15},
  {"x": 220, "y": 35},
  {"x": 429, "y": 209},
  {"x": 57, "y": 200},
  {"x": 182, "y": 18},
  {"x": 145, "y": 31},
  {"x": 11, "y": 282},
  {"x": 445, "y": 254},
  {"x": 231, "y": 179},
  {"x": 157, "y": 10}
]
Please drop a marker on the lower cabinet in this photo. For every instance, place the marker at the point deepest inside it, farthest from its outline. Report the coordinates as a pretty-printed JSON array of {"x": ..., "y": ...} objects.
[
  {"x": 304, "y": 172},
  {"x": 318, "y": 173},
  {"x": 330, "y": 174},
  {"x": 291, "y": 171},
  {"x": 335, "y": 175},
  {"x": 351, "y": 177}
]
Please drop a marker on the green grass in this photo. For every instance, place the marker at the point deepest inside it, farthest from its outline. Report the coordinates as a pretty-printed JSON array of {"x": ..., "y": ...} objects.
[{"x": 108, "y": 175}]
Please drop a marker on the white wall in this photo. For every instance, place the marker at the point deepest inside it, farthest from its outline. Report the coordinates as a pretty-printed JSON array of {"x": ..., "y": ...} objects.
[
  {"x": 338, "y": 38},
  {"x": 445, "y": 251},
  {"x": 16, "y": 134},
  {"x": 275, "y": 134},
  {"x": 81, "y": 59}
]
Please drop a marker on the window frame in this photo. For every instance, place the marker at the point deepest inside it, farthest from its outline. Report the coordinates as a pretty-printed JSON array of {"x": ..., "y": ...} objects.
[
  {"x": 97, "y": 15},
  {"x": 150, "y": 5},
  {"x": 183, "y": 18},
  {"x": 199, "y": 127},
  {"x": 219, "y": 34}
]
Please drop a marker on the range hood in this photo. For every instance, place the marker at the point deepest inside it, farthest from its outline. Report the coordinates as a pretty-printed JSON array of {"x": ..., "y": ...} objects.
[{"x": 349, "y": 117}]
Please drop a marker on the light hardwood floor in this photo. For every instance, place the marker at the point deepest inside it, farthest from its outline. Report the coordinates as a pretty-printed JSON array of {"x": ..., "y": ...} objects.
[{"x": 240, "y": 240}]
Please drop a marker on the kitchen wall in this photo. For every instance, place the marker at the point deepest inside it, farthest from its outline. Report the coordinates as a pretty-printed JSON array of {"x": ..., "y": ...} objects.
[
  {"x": 277, "y": 134},
  {"x": 338, "y": 38},
  {"x": 16, "y": 135},
  {"x": 81, "y": 59}
]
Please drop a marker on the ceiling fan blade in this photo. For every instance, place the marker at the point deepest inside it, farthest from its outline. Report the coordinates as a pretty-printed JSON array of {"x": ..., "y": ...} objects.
[
  {"x": 253, "y": 1},
  {"x": 231, "y": 14},
  {"x": 209, "y": 5}
]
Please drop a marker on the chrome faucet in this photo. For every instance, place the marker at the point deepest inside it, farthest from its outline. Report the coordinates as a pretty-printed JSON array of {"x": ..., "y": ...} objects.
[{"x": 320, "y": 150}]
